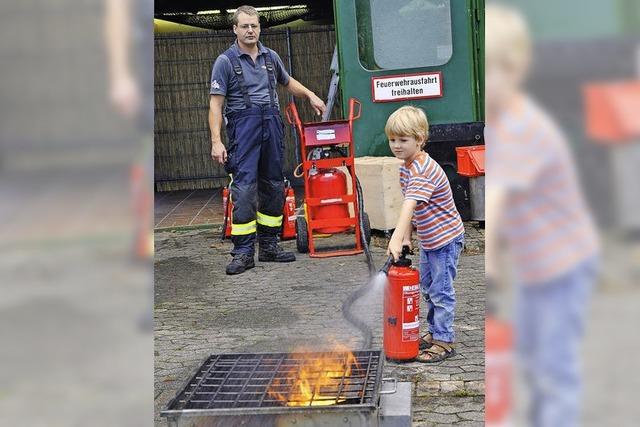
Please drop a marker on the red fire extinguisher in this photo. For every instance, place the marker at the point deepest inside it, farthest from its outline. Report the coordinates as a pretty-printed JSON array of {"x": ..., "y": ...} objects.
[
  {"x": 499, "y": 367},
  {"x": 401, "y": 309},
  {"x": 289, "y": 214},
  {"x": 227, "y": 208}
]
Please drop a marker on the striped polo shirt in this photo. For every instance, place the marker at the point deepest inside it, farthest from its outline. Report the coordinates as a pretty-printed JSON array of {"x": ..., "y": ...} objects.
[
  {"x": 436, "y": 218},
  {"x": 546, "y": 224}
]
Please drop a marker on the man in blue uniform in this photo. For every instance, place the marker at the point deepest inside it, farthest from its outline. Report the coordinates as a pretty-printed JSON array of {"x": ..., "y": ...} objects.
[{"x": 245, "y": 76}]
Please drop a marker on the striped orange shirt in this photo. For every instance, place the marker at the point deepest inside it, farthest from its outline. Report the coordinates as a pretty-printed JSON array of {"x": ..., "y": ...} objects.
[
  {"x": 436, "y": 218},
  {"x": 546, "y": 223}
]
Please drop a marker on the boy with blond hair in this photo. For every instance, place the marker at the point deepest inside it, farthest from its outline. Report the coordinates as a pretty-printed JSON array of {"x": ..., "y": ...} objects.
[{"x": 428, "y": 204}]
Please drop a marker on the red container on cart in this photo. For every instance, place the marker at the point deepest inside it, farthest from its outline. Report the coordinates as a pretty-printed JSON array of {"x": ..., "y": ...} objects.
[{"x": 328, "y": 185}]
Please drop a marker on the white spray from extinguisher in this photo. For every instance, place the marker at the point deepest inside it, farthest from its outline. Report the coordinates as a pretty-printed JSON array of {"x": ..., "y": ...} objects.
[{"x": 372, "y": 289}]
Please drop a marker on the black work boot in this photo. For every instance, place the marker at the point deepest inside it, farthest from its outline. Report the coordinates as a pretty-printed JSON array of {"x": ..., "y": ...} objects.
[
  {"x": 272, "y": 252},
  {"x": 240, "y": 263}
]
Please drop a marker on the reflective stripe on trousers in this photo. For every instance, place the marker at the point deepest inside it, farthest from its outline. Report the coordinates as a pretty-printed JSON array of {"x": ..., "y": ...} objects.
[
  {"x": 268, "y": 220},
  {"x": 243, "y": 229}
]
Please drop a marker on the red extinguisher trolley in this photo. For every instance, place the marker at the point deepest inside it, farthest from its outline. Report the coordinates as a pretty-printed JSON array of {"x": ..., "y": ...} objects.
[
  {"x": 401, "y": 330},
  {"x": 325, "y": 147}
]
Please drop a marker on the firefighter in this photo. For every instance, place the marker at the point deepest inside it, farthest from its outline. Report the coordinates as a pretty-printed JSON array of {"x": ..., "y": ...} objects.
[{"x": 245, "y": 76}]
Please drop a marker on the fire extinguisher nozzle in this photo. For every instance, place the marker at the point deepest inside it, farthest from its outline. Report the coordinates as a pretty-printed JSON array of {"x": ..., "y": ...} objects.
[{"x": 387, "y": 265}]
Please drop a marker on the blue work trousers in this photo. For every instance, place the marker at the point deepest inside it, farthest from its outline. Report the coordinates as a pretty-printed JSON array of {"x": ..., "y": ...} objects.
[{"x": 254, "y": 161}]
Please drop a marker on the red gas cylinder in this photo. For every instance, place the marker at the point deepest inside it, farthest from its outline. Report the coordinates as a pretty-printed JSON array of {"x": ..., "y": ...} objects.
[
  {"x": 401, "y": 311},
  {"x": 330, "y": 185},
  {"x": 499, "y": 367},
  {"x": 289, "y": 215},
  {"x": 227, "y": 208}
]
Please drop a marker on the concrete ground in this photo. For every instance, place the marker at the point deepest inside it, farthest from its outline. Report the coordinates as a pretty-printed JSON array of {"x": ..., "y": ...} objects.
[{"x": 199, "y": 311}]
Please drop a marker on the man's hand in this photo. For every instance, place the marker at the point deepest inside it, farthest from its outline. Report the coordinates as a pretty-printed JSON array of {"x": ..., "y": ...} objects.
[
  {"x": 125, "y": 95},
  {"x": 395, "y": 248},
  {"x": 218, "y": 152},
  {"x": 298, "y": 90},
  {"x": 317, "y": 104}
]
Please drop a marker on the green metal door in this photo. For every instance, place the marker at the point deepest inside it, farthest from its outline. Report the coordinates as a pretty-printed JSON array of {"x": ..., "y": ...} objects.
[{"x": 423, "y": 43}]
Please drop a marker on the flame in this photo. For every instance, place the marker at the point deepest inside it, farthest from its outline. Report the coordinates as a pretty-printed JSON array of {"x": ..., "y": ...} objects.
[{"x": 315, "y": 381}]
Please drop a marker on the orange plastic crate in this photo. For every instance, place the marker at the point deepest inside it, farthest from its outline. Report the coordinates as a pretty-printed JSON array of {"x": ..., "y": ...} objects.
[
  {"x": 470, "y": 160},
  {"x": 611, "y": 111}
]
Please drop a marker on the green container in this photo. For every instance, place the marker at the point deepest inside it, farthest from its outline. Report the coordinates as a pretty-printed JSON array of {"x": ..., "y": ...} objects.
[{"x": 407, "y": 38}]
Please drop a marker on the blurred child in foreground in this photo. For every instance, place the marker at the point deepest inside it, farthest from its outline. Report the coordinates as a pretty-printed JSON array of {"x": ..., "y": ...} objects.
[{"x": 536, "y": 218}]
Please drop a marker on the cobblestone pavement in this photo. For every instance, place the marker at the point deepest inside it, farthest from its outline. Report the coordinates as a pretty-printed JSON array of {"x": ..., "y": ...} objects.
[{"x": 279, "y": 307}]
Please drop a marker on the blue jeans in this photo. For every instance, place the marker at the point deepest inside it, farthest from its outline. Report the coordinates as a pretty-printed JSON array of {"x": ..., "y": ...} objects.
[
  {"x": 437, "y": 272},
  {"x": 549, "y": 327}
]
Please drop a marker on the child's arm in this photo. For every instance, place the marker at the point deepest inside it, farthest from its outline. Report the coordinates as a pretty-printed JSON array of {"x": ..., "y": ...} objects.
[
  {"x": 406, "y": 241},
  {"x": 403, "y": 229},
  {"x": 496, "y": 199}
]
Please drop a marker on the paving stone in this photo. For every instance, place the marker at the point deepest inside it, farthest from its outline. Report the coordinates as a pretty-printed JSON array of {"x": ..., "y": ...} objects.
[
  {"x": 428, "y": 388},
  {"x": 471, "y": 415},
  {"x": 469, "y": 376},
  {"x": 475, "y": 386},
  {"x": 440, "y": 418},
  {"x": 470, "y": 423}
]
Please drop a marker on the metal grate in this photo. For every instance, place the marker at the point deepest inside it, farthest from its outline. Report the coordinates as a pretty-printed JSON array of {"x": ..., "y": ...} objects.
[{"x": 242, "y": 381}]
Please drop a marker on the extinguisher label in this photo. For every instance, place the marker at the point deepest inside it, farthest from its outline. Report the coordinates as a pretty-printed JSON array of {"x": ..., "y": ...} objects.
[{"x": 410, "y": 313}]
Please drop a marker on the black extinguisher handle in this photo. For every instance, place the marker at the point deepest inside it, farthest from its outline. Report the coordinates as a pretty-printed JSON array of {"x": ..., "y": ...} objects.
[
  {"x": 387, "y": 265},
  {"x": 406, "y": 250}
]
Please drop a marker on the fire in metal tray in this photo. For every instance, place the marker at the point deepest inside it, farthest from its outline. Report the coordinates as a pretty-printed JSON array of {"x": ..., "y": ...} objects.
[
  {"x": 318, "y": 379},
  {"x": 240, "y": 382}
]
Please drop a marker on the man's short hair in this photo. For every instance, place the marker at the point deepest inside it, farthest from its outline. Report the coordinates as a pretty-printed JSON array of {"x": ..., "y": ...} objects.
[
  {"x": 408, "y": 121},
  {"x": 247, "y": 10}
]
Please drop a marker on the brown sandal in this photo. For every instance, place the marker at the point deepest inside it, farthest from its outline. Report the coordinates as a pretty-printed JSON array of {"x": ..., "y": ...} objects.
[
  {"x": 438, "y": 352},
  {"x": 426, "y": 341}
]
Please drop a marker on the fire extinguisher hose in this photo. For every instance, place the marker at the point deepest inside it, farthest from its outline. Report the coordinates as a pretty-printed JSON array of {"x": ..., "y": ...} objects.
[
  {"x": 363, "y": 238},
  {"x": 362, "y": 326}
]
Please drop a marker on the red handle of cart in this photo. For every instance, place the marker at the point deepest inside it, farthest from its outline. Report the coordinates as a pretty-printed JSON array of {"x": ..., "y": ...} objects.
[
  {"x": 352, "y": 103},
  {"x": 293, "y": 117}
]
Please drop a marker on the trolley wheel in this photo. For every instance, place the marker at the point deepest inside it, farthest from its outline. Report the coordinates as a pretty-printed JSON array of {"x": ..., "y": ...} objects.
[
  {"x": 302, "y": 236},
  {"x": 367, "y": 227}
]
